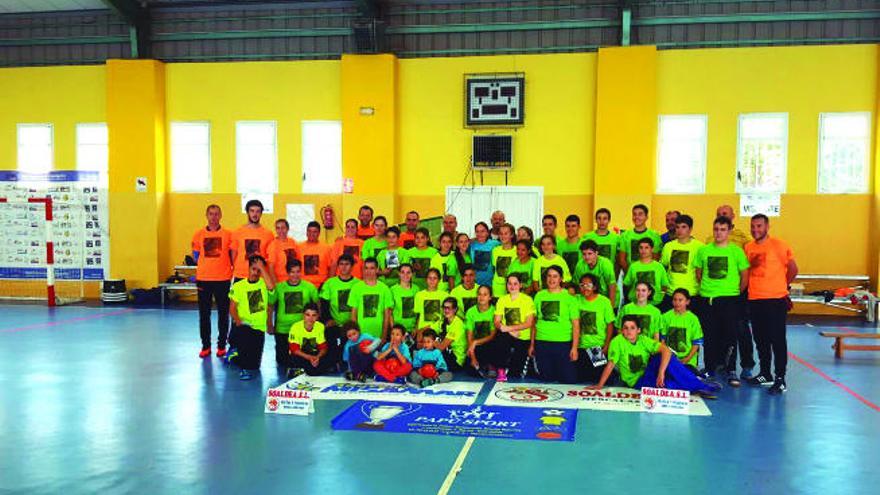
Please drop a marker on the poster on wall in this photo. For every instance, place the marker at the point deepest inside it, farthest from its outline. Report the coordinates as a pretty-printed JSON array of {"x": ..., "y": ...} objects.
[
  {"x": 752, "y": 204},
  {"x": 79, "y": 227}
]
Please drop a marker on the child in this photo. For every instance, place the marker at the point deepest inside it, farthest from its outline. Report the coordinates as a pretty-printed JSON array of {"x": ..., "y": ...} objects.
[
  {"x": 291, "y": 297},
  {"x": 555, "y": 338},
  {"x": 522, "y": 265},
  {"x": 377, "y": 243},
  {"x": 480, "y": 249},
  {"x": 308, "y": 345},
  {"x": 404, "y": 295},
  {"x": 466, "y": 292},
  {"x": 429, "y": 304},
  {"x": 445, "y": 262},
  {"x": 420, "y": 257},
  {"x": 514, "y": 318},
  {"x": 428, "y": 354},
  {"x": 453, "y": 340},
  {"x": 596, "y": 326},
  {"x": 357, "y": 353},
  {"x": 643, "y": 362},
  {"x": 680, "y": 330},
  {"x": 547, "y": 259},
  {"x": 251, "y": 316},
  {"x": 502, "y": 256},
  {"x": 483, "y": 347},
  {"x": 647, "y": 270},
  {"x": 391, "y": 258},
  {"x": 393, "y": 363},
  {"x": 648, "y": 315}
]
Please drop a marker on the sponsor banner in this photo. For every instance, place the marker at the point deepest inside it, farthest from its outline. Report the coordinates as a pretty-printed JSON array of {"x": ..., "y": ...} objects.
[
  {"x": 665, "y": 401},
  {"x": 513, "y": 423},
  {"x": 578, "y": 397},
  {"x": 336, "y": 388},
  {"x": 279, "y": 400}
]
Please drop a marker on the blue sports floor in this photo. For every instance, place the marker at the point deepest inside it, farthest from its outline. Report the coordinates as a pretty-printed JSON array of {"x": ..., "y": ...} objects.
[{"x": 115, "y": 400}]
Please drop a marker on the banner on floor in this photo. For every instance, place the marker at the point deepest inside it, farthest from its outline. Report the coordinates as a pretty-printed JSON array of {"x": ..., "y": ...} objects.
[
  {"x": 279, "y": 400},
  {"x": 578, "y": 397},
  {"x": 665, "y": 401},
  {"x": 513, "y": 423},
  {"x": 334, "y": 388}
]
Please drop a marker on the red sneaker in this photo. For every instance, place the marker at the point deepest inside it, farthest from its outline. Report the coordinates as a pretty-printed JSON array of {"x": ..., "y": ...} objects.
[
  {"x": 221, "y": 352},
  {"x": 205, "y": 353}
]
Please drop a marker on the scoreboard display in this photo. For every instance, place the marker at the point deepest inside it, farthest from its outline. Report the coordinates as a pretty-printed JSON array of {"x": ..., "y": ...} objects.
[{"x": 497, "y": 101}]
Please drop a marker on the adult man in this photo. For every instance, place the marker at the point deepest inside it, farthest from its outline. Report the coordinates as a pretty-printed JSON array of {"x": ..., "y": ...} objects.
[
  {"x": 497, "y": 220},
  {"x": 772, "y": 269},
  {"x": 628, "y": 248},
  {"x": 569, "y": 247},
  {"x": 335, "y": 309},
  {"x": 737, "y": 236},
  {"x": 314, "y": 255},
  {"x": 600, "y": 266},
  {"x": 371, "y": 302},
  {"x": 670, "y": 226},
  {"x": 365, "y": 217},
  {"x": 606, "y": 240},
  {"x": 250, "y": 239},
  {"x": 722, "y": 270},
  {"x": 679, "y": 257},
  {"x": 407, "y": 238},
  {"x": 548, "y": 225},
  {"x": 450, "y": 224},
  {"x": 210, "y": 248}
]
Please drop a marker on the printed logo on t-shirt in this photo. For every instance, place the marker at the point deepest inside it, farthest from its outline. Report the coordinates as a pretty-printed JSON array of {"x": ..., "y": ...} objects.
[
  {"x": 482, "y": 329},
  {"x": 644, "y": 324},
  {"x": 251, "y": 247},
  {"x": 310, "y": 264},
  {"x": 468, "y": 303},
  {"x": 550, "y": 310},
  {"x": 482, "y": 260},
  {"x": 634, "y": 249},
  {"x": 512, "y": 316},
  {"x": 289, "y": 256},
  {"x": 646, "y": 277},
  {"x": 293, "y": 303},
  {"x": 255, "y": 301},
  {"x": 605, "y": 250},
  {"x": 371, "y": 305},
  {"x": 676, "y": 339},
  {"x": 408, "y": 307},
  {"x": 352, "y": 251},
  {"x": 571, "y": 259},
  {"x": 678, "y": 261},
  {"x": 420, "y": 267},
  {"x": 310, "y": 345},
  {"x": 502, "y": 264},
  {"x": 431, "y": 309},
  {"x": 717, "y": 267},
  {"x": 342, "y": 300},
  {"x": 758, "y": 264},
  {"x": 636, "y": 363},
  {"x": 588, "y": 323},
  {"x": 211, "y": 246}
]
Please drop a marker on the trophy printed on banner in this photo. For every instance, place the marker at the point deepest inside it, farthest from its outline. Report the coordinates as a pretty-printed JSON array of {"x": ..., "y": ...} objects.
[{"x": 379, "y": 413}]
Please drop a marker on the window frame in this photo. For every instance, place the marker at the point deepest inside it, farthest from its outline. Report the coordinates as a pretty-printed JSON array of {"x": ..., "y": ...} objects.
[
  {"x": 209, "y": 186},
  {"x": 77, "y": 128},
  {"x": 22, "y": 125},
  {"x": 705, "y": 151},
  {"x": 866, "y": 178},
  {"x": 739, "y": 189},
  {"x": 238, "y": 123},
  {"x": 305, "y": 190}
]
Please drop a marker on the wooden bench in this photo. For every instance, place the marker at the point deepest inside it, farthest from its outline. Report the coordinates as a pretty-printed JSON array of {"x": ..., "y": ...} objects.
[
  {"x": 839, "y": 346},
  {"x": 166, "y": 287}
]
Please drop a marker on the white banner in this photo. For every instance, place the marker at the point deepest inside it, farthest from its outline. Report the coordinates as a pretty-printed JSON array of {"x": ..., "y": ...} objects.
[
  {"x": 332, "y": 388},
  {"x": 282, "y": 401},
  {"x": 665, "y": 401},
  {"x": 577, "y": 397}
]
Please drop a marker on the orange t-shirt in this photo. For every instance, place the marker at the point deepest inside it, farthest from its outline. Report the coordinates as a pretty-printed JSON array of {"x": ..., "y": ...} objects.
[
  {"x": 407, "y": 239},
  {"x": 768, "y": 262},
  {"x": 280, "y": 254},
  {"x": 351, "y": 247},
  {"x": 247, "y": 242},
  {"x": 315, "y": 258},
  {"x": 214, "y": 264},
  {"x": 365, "y": 233}
]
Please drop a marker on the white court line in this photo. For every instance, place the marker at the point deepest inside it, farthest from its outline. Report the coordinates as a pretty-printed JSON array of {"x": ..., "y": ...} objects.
[{"x": 456, "y": 467}]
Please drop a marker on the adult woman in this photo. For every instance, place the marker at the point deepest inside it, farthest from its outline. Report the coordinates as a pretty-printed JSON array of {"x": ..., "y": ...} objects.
[
  {"x": 523, "y": 264},
  {"x": 554, "y": 343},
  {"x": 547, "y": 259},
  {"x": 596, "y": 320},
  {"x": 462, "y": 251},
  {"x": 374, "y": 244},
  {"x": 514, "y": 318},
  {"x": 502, "y": 256},
  {"x": 444, "y": 261}
]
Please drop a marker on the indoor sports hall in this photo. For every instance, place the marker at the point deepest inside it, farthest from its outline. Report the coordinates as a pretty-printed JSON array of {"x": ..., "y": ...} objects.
[{"x": 448, "y": 246}]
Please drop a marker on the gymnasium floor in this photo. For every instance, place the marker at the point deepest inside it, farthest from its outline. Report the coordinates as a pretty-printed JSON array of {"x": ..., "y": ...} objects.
[{"x": 114, "y": 400}]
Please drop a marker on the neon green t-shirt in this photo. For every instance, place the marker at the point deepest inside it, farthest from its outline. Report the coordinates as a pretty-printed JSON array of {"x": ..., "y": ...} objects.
[
  {"x": 680, "y": 262},
  {"x": 429, "y": 308},
  {"x": 501, "y": 260},
  {"x": 480, "y": 323},
  {"x": 456, "y": 333},
  {"x": 516, "y": 312},
  {"x": 608, "y": 244},
  {"x": 721, "y": 269},
  {"x": 372, "y": 247},
  {"x": 448, "y": 266},
  {"x": 467, "y": 298},
  {"x": 291, "y": 300},
  {"x": 652, "y": 273},
  {"x": 371, "y": 301},
  {"x": 594, "y": 317},
  {"x": 631, "y": 359},
  {"x": 540, "y": 266},
  {"x": 308, "y": 341},
  {"x": 604, "y": 271},
  {"x": 629, "y": 242},
  {"x": 251, "y": 302},
  {"x": 404, "y": 311},
  {"x": 570, "y": 252},
  {"x": 392, "y": 258},
  {"x": 421, "y": 262},
  {"x": 648, "y": 315},
  {"x": 523, "y": 272},
  {"x": 554, "y": 312},
  {"x": 336, "y": 291},
  {"x": 680, "y": 332}
]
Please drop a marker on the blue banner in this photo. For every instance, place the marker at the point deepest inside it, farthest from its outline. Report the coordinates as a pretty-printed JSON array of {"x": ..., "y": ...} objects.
[
  {"x": 514, "y": 423},
  {"x": 53, "y": 176}
]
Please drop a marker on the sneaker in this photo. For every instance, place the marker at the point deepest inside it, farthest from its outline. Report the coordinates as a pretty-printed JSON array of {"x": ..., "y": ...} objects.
[
  {"x": 427, "y": 382},
  {"x": 294, "y": 372},
  {"x": 221, "y": 352},
  {"x": 746, "y": 375},
  {"x": 706, "y": 394},
  {"x": 760, "y": 380},
  {"x": 491, "y": 373},
  {"x": 778, "y": 387},
  {"x": 502, "y": 375},
  {"x": 245, "y": 375},
  {"x": 362, "y": 377},
  {"x": 231, "y": 355},
  {"x": 349, "y": 376},
  {"x": 205, "y": 352},
  {"x": 732, "y": 379}
]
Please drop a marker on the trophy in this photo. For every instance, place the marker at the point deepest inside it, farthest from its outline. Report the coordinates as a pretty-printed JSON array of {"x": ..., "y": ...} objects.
[{"x": 379, "y": 413}]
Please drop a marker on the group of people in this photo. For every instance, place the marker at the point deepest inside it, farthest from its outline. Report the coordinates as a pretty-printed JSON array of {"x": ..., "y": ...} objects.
[{"x": 631, "y": 308}]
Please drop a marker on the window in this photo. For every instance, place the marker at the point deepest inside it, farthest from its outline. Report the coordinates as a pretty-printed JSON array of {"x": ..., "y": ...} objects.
[
  {"x": 256, "y": 157},
  {"x": 762, "y": 153},
  {"x": 190, "y": 157},
  {"x": 681, "y": 154},
  {"x": 322, "y": 156},
  {"x": 35, "y": 143},
  {"x": 844, "y": 147},
  {"x": 92, "y": 147}
]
